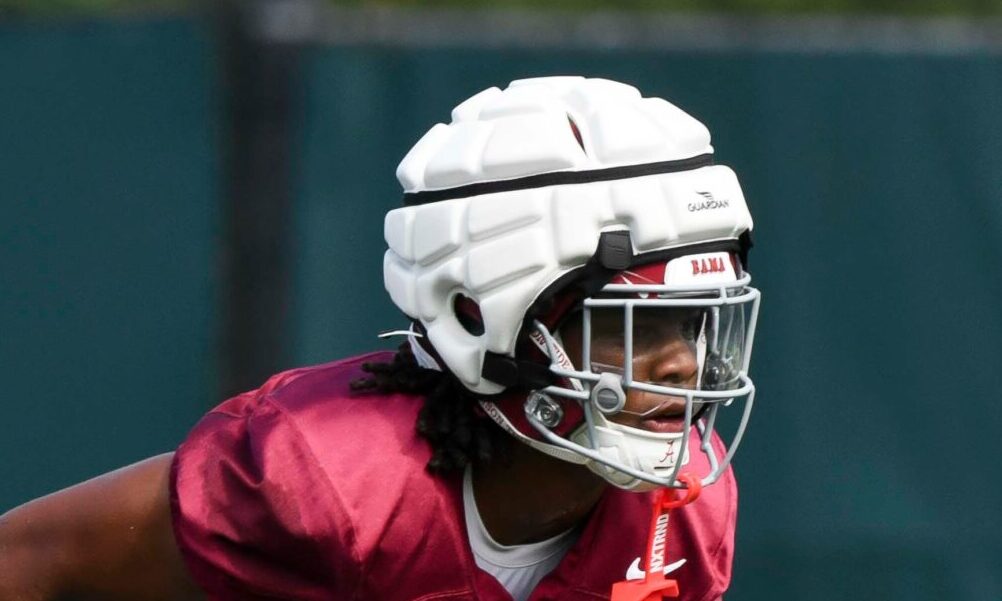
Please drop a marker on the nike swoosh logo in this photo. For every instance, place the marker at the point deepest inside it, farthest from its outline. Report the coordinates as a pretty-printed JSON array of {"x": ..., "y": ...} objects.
[{"x": 635, "y": 573}]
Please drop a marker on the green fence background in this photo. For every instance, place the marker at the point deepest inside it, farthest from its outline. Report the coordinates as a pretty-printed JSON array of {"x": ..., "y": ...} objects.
[
  {"x": 870, "y": 470},
  {"x": 108, "y": 183}
]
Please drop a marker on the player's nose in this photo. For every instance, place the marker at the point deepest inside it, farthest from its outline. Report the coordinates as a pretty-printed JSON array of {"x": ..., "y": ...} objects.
[{"x": 672, "y": 363}]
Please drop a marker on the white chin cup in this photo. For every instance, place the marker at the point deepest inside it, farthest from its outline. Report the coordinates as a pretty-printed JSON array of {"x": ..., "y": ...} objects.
[{"x": 653, "y": 453}]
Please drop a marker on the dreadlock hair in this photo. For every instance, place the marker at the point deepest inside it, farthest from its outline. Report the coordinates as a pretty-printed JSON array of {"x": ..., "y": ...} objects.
[{"x": 448, "y": 420}]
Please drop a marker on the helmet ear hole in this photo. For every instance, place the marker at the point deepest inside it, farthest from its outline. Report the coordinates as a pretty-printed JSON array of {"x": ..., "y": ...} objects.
[{"x": 468, "y": 314}]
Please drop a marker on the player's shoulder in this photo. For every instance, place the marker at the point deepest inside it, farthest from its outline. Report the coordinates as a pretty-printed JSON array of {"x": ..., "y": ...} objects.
[
  {"x": 289, "y": 470},
  {"x": 326, "y": 379},
  {"x": 317, "y": 406},
  {"x": 304, "y": 389},
  {"x": 309, "y": 428}
]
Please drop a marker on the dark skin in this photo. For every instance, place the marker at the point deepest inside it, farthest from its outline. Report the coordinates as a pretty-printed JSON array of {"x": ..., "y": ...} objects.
[
  {"x": 110, "y": 538},
  {"x": 533, "y": 496}
]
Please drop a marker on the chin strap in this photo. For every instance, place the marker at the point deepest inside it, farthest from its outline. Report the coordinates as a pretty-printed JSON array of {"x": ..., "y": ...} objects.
[{"x": 654, "y": 586}]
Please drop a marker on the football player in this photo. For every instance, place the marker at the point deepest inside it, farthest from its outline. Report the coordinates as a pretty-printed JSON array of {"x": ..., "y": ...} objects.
[{"x": 572, "y": 264}]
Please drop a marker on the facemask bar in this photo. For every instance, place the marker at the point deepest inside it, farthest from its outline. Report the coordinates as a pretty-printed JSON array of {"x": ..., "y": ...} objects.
[{"x": 688, "y": 296}]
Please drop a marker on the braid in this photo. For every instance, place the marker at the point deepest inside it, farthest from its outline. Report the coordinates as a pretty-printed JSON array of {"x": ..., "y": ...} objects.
[
  {"x": 402, "y": 374},
  {"x": 447, "y": 420}
]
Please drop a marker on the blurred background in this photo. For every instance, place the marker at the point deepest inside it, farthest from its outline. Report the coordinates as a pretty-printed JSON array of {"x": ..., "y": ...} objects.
[{"x": 191, "y": 198}]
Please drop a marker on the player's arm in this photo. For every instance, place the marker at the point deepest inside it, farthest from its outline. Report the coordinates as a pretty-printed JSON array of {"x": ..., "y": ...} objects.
[{"x": 108, "y": 538}]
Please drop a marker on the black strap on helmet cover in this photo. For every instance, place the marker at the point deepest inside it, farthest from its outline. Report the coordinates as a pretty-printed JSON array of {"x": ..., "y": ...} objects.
[{"x": 558, "y": 178}]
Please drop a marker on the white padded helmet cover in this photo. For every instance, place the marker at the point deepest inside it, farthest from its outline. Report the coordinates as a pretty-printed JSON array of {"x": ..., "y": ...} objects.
[{"x": 503, "y": 249}]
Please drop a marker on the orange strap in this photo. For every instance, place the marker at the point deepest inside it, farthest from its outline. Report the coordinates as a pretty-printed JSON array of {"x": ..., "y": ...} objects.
[{"x": 654, "y": 586}]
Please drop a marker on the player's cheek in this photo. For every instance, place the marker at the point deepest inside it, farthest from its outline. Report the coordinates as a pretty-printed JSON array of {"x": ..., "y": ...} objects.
[{"x": 610, "y": 345}]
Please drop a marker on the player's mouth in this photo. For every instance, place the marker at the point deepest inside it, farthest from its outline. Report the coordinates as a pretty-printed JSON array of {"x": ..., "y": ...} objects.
[
  {"x": 669, "y": 418},
  {"x": 664, "y": 425}
]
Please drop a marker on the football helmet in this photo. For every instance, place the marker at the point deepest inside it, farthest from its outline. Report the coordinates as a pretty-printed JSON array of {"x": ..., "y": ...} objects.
[{"x": 570, "y": 252}]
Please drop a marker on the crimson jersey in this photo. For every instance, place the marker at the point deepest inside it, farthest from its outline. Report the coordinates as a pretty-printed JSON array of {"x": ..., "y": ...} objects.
[{"x": 302, "y": 490}]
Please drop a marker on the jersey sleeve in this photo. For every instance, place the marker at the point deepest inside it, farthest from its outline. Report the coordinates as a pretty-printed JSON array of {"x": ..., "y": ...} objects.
[{"x": 253, "y": 513}]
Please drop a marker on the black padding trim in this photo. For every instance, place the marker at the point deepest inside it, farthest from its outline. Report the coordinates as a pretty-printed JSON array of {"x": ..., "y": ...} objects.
[
  {"x": 615, "y": 250},
  {"x": 558, "y": 178},
  {"x": 509, "y": 372},
  {"x": 746, "y": 243},
  {"x": 500, "y": 369}
]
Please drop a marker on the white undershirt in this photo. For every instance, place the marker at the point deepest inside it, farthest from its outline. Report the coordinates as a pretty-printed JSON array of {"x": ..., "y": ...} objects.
[{"x": 518, "y": 568}]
